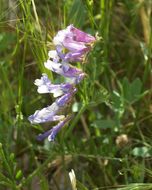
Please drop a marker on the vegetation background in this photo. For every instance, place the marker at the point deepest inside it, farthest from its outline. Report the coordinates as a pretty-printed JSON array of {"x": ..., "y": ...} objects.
[{"x": 108, "y": 143}]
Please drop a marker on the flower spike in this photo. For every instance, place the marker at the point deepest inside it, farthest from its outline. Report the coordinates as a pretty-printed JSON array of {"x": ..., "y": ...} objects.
[{"x": 72, "y": 45}]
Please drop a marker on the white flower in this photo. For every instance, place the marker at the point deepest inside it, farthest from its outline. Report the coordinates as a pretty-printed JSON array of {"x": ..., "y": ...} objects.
[{"x": 73, "y": 179}]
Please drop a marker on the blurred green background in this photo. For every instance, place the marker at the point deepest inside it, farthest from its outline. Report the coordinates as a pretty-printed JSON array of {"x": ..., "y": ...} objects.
[{"x": 108, "y": 143}]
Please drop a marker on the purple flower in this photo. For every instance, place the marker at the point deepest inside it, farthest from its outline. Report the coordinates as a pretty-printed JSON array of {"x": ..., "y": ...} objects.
[
  {"x": 74, "y": 40},
  {"x": 74, "y": 34},
  {"x": 52, "y": 132},
  {"x": 64, "y": 69},
  {"x": 45, "y": 86},
  {"x": 72, "y": 56},
  {"x": 65, "y": 98},
  {"x": 81, "y": 36},
  {"x": 46, "y": 114},
  {"x": 49, "y": 113}
]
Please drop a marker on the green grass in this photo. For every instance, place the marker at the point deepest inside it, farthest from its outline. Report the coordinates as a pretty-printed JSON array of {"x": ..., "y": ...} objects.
[{"x": 114, "y": 99}]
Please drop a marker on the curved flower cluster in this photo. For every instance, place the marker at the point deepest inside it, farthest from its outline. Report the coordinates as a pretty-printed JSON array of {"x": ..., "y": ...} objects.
[{"x": 72, "y": 45}]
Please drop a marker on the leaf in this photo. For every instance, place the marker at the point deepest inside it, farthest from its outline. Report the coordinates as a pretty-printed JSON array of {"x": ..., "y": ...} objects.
[
  {"x": 103, "y": 124},
  {"x": 117, "y": 103},
  {"x": 136, "y": 88},
  {"x": 100, "y": 97},
  {"x": 141, "y": 152},
  {"x": 132, "y": 91}
]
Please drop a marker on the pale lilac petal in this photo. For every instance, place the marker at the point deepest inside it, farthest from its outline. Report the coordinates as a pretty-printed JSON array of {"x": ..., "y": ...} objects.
[
  {"x": 59, "y": 50},
  {"x": 49, "y": 113},
  {"x": 45, "y": 115},
  {"x": 41, "y": 137},
  {"x": 44, "y": 80},
  {"x": 52, "y": 132},
  {"x": 45, "y": 86},
  {"x": 72, "y": 56},
  {"x": 66, "y": 87},
  {"x": 57, "y": 128},
  {"x": 72, "y": 33},
  {"x": 65, "y": 98},
  {"x": 76, "y": 56},
  {"x": 61, "y": 89},
  {"x": 54, "y": 55},
  {"x": 59, "y": 38},
  {"x": 72, "y": 45},
  {"x": 65, "y": 69},
  {"x": 81, "y": 36}
]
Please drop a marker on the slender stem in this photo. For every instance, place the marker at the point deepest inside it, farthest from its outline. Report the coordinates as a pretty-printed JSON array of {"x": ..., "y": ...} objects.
[{"x": 75, "y": 120}]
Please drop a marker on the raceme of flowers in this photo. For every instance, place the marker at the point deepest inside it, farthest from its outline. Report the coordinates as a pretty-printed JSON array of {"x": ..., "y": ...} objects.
[{"x": 71, "y": 45}]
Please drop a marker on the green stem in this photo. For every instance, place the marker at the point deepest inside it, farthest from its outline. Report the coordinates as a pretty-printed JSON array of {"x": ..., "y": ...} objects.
[{"x": 75, "y": 120}]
